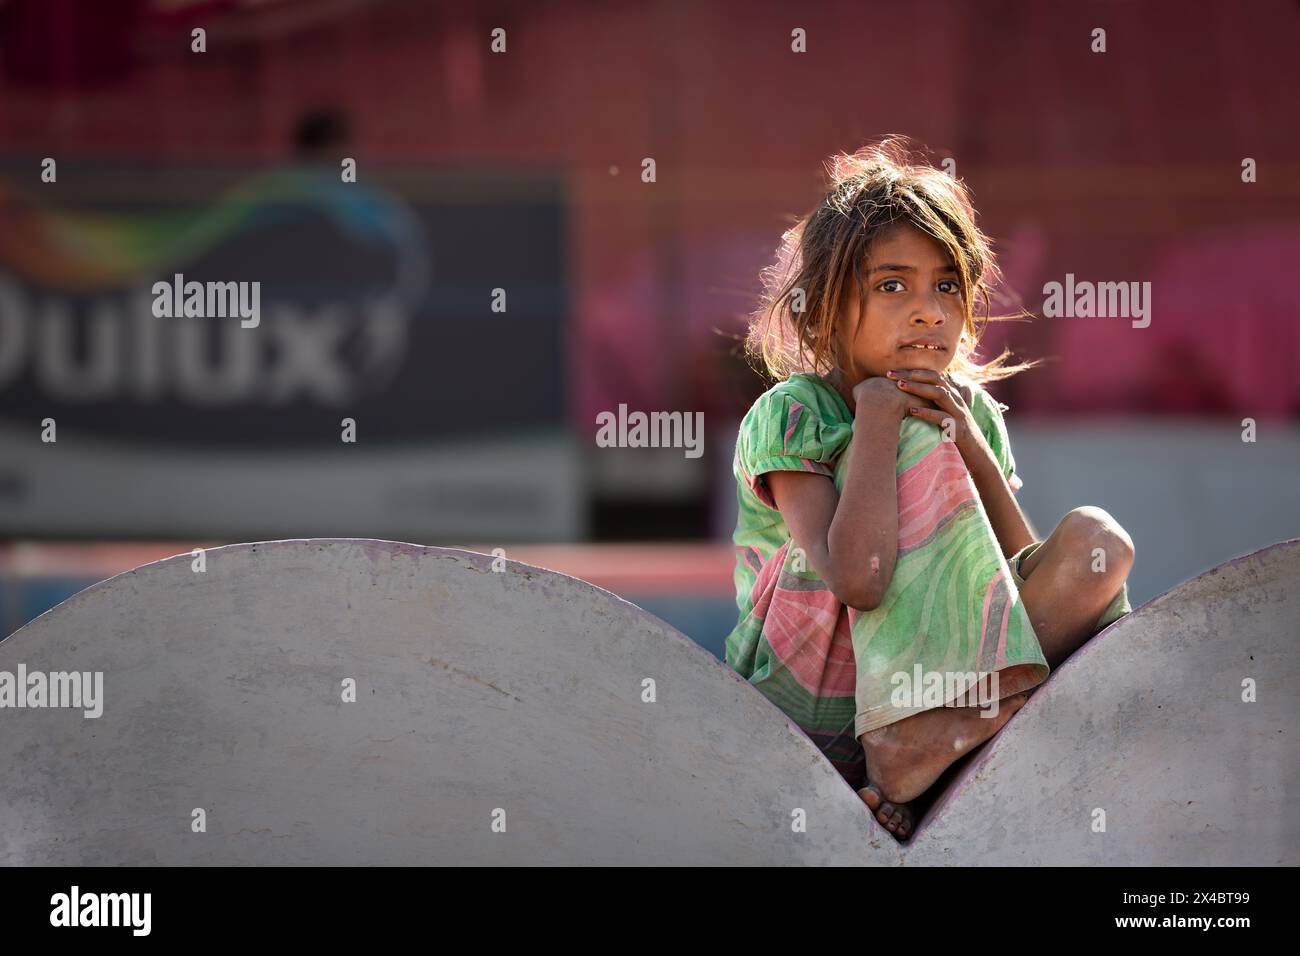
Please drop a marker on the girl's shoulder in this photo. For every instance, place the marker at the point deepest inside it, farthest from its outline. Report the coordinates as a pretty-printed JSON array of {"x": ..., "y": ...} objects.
[
  {"x": 800, "y": 424},
  {"x": 803, "y": 390},
  {"x": 987, "y": 412},
  {"x": 983, "y": 405}
]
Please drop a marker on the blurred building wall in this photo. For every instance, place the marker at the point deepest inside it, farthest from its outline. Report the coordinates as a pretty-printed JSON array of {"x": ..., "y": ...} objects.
[{"x": 1116, "y": 166}]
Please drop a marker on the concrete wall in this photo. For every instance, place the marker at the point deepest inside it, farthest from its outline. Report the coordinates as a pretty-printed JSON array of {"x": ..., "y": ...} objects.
[{"x": 494, "y": 691}]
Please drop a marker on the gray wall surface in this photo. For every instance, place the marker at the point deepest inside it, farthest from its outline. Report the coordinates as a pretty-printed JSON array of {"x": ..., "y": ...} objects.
[{"x": 490, "y": 691}]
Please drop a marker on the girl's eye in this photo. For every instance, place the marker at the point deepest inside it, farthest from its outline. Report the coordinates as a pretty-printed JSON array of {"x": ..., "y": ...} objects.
[{"x": 948, "y": 286}]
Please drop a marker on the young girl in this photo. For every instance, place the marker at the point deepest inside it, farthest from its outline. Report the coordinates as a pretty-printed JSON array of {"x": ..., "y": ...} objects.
[{"x": 878, "y": 539}]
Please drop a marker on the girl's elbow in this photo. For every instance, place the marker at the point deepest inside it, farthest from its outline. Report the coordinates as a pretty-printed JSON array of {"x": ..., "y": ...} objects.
[
  {"x": 868, "y": 601},
  {"x": 862, "y": 596},
  {"x": 863, "y": 591}
]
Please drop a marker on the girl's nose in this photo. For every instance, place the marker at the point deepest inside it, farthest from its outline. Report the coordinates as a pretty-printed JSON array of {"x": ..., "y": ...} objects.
[{"x": 930, "y": 311}]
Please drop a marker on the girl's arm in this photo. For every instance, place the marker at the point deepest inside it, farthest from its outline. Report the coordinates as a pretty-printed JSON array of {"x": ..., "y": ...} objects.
[
  {"x": 1008, "y": 521},
  {"x": 950, "y": 403},
  {"x": 851, "y": 539}
]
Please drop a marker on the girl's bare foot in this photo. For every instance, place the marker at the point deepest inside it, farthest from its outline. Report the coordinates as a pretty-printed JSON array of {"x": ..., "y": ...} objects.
[
  {"x": 897, "y": 818},
  {"x": 904, "y": 758}
]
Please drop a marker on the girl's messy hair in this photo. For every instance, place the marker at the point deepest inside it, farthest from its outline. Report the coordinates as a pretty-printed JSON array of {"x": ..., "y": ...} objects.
[{"x": 793, "y": 329}]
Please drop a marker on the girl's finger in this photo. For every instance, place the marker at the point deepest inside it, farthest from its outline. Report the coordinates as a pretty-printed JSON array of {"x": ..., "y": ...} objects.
[
  {"x": 958, "y": 390},
  {"x": 936, "y": 393},
  {"x": 936, "y": 415},
  {"x": 931, "y": 377}
]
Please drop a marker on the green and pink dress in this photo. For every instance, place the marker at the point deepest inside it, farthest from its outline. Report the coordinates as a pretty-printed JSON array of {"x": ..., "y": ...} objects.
[{"x": 952, "y": 605}]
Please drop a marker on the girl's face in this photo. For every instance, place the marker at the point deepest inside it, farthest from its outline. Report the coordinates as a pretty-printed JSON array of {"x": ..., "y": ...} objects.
[{"x": 912, "y": 297}]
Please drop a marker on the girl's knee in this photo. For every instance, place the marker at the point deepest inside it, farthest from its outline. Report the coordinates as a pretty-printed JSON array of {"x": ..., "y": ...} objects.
[{"x": 1095, "y": 533}]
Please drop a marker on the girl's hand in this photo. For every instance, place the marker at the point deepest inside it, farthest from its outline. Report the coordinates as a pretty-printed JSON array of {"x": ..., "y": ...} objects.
[
  {"x": 882, "y": 396},
  {"x": 950, "y": 404}
]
